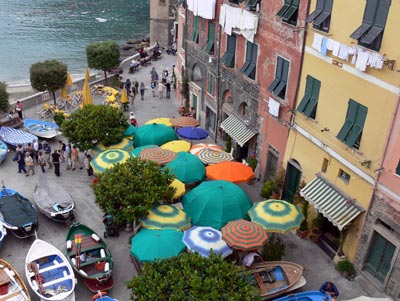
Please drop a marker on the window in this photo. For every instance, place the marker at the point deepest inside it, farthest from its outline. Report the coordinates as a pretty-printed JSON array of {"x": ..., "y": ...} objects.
[
  {"x": 353, "y": 126},
  {"x": 308, "y": 105},
  {"x": 235, "y": 1},
  {"x": 252, "y": 5},
  {"x": 321, "y": 16},
  {"x": 370, "y": 32},
  {"x": 344, "y": 176},
  {"x": 228, "y": 59},
  {"x": 325, "y": 164},
  {"x": 249, "y": 67},
  {"x": 243, "y": 109},
  {"x": 278, "y": 86},
  {"x": 272, "y": 163},
  {"x": 210, "y": 39},
  {"x": 398, "y": 169},
  {"x": 289, "y": 11},
  {"x": 195, "y": 32},
  {"x": 210, "y": 120},
  {"x": 210, "y": 84}
]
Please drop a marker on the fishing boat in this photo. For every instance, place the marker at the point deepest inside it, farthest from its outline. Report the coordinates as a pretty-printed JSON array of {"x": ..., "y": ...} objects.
[
  {"x": 12, "y": 288},
  {"x": 53, "y": 200},
  {"x": 13, "y": 137},
  {"x": 3, "y": 151},
  {"x": 306, "y": 296},
  {"x": 49, "y": 272},
  {"x": 102, "y": 296},
  {"x": 90, "y": 257},
  {"x": 17, "y": 213},
  {"x": 3, "y": 233},
  {"x": 274, "y": 278},
  {"x": 41, "y": 128}
]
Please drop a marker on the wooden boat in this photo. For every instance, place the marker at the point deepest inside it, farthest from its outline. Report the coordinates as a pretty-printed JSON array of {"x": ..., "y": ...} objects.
[
  {"x": 3, "y": 233},
  {"x": 90, "y": 257},
  {"x": 17, "y": 213},
  {"x": 41, "y": 128},
  {"x": 274, "y": 278},
  {"x": 102, "y": 296},
  {"x": 3, "y": 151},
  {"x": 49, "y": 273},
  {"x": 53, "y": 200},
  {"x": 13, "y": 137},
  {"x": 306, "y": 296},
  {"x": 11, "y": 285}
]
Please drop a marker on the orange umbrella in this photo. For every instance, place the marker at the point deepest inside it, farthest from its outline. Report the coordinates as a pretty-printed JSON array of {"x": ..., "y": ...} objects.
[
  {"x": 69, "y": 80},
  {"x": 200, "y": 146},
  {"x": 244, "y": 235},
  {"x": 158, "y": 155},
  {"x": 235, "y": 172},
  {"x": 184, "y": 121}
]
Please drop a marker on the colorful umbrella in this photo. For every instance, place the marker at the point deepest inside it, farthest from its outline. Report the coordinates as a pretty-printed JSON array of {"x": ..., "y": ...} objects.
[
  {"x": 208, "y": 156},
  {"x": 136, "y": 152},
  {"x": 177, "y": 146},
  {"x": 158, "y": 155},
  {"x": 192, "y": 133},
  {"x": 125, "y": 144},
  {"x": 154, "y": 134},
  {"x": 200, "y": 146},
  {"x": 86, "y": 94},
  {"x": 130, "y": 131},
  {"x": 205, "y": 240},
  {"x": 149, "y": 245},
  {"x": 244, "y": 235},
  {"x": 215, "y": 203},
  {"x": 124, "y": 96},
  {"x": 166, "y": 217},
  {"x": 108, "y": 158},
  {"x": 276, "y": 215},
  {"x": 87, "y": 75},
  {"x": 184, "y": 121},
  {"x": 69, "y": 80},
  {"x": 235, "y": 172},
  {"x": 187, "y": 168},
  {"x": 179, "y": 188},
  {"x": 162, "y": 120}
]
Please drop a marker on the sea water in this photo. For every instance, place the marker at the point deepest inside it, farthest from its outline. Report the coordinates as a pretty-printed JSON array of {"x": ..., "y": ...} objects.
[{"x": 37, "y": 30}]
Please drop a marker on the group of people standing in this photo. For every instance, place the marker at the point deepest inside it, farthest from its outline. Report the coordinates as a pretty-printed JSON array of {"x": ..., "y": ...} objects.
[{"x": 159, "y": 87}]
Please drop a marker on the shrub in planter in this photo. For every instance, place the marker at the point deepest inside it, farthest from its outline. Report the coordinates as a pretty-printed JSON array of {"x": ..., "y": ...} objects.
[
  {"x": 274, "y": 250},
  {"x": 252, "y": 161},
  {"x": 303, "y": 229},
  {"x": 228, "y": 144},
  {"x": 346, "y": 268},
  {"x": 267, "y": 189}
]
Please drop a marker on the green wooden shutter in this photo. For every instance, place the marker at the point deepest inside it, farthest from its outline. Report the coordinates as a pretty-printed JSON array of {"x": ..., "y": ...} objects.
[
  {"x": 398, "y": 169},
  {"x": 284, "y": 8},
  {"x": 278, "y": 73},
  {"x": 318, "y": 10},
  {"x": 248, "y": 58},
  {"x": 358, "y": 126},
  {"x": 368, "y": 19},
  {"x": 350, "y": 120},
  {"x": 307, "y": 94},
  {"x": 195, "y": 33},
  {"x": 281, "y": 87},
  {"x": 211, "y": 35}
]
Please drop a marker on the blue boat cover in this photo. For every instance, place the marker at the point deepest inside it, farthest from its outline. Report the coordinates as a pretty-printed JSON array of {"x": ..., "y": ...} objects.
[{"x": 14, "y": 137}]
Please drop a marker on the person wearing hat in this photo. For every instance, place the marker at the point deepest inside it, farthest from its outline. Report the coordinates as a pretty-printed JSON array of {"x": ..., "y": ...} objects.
[{"x": 132, "y": 119}]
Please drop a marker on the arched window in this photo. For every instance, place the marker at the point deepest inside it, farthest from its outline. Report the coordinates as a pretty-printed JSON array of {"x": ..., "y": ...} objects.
[
  {"x": 196, "y": 73},
  {"x": 243, "y": 109}
]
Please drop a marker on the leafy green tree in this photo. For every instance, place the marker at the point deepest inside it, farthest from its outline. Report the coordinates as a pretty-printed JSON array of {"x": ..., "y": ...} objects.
[
  {"x": 191, "y": 276},
  {"x": 103, "y": 56},
  {"x": 4, "y": 97},
  {"x": 50, "y": 75},
  {"x": 94, "y": 123},
  {"x": 130, "y": 189}
]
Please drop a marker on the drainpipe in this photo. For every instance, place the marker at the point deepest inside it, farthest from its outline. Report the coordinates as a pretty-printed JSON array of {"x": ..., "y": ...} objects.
[
  {"x": 185, "y": 33},
  {"x": 219, "y": 101}
]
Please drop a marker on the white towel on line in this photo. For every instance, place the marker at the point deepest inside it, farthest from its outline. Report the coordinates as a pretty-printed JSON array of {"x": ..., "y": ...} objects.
[{"x": 317, "y": 41}]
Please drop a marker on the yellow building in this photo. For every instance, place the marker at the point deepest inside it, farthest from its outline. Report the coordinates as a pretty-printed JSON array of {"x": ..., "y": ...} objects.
[{"x": 348, "y": 90}]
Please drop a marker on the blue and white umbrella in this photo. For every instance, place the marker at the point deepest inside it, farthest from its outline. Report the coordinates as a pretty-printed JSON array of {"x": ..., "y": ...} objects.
[
  {"x": 192, "y": 133},
  {"x": 14, "y": 137},
  {"x": 204, "y": 239}
]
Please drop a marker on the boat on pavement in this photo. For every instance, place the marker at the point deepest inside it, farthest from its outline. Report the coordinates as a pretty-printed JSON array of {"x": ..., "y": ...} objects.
[
  {"x": 306, "y": 296},
  {"x": 275, "y": 278},
  {"x": 102, "y": 296},
  {"x": 49, "y": 272},
  {"x": 53, "y": 200},
  {"x": 90, "y": 257},
  {"x": 3, "y": 151},
  {"x": 13, "y": 137},
  {"x": 3, "y": 233},
  {"x": 12, "y": 287},
  {"x": 41, "y": 128}
]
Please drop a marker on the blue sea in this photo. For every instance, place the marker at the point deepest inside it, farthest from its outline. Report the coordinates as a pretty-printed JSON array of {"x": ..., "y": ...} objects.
[{"x": 37, "y": 30}]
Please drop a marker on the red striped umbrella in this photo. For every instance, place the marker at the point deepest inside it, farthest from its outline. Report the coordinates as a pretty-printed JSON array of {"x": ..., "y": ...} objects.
[
  {"x": 158, "y": 154},
  {"x": 244, "y": 235},
  {"x": 184, "y": 121},
  {"x": 200, "y": 146}
]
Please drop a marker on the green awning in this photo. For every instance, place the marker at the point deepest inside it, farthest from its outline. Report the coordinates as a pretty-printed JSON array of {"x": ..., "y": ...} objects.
[{"x": 237, "y": 129}]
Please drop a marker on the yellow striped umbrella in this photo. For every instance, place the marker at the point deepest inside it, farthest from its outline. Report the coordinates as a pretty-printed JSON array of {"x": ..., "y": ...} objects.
[
  {"x": 69, "y": 80},
  {"x": 161, "y": 120},
  {"x": 166, "y": 217},
  {"x": 86, "y": 94},
  {"x": 276, "y": 215},
  {"x": 177, "y": 146},
  {"x": 180, "y": 188},
  {"x": 125, "y": 144},
  {"x": 124, "y": 96},
  {"x": 108, "y": 158},
  {"x": 158, "y": 155}
]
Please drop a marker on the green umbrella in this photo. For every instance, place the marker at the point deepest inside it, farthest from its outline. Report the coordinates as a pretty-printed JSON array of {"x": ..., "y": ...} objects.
[
  {"x": 215, "y": 203},
  {"x": 130, "y": 131},
  {"x": 187, "y": 168},
  {"x": 125, "y": 144},
  {"x": 136, "y": 152},
  {"x": 149, "y": 245},
  {"x": 154, "y": 134},
  {"x": 166, "y": 217},
  {"x": 108, "y": 158}
]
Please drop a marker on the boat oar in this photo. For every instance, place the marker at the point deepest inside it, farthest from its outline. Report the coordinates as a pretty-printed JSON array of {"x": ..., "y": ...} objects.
[
  {"x": 12, "y": 278},
  {"x": 78, "y": 243},
  {"x": 33, "y": 267}
]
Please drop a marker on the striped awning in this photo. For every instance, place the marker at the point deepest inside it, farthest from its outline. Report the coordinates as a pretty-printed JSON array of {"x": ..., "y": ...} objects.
[
  {"x": 332, "y": 204},
  {"x": 237, "y": 129}
]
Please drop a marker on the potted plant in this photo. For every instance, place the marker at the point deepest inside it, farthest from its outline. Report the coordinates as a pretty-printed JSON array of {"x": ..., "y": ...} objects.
[
  {"x": 302, "y": 232},
  {"x": 267, "y": 189},
  {"x": 252, "y": 162},
  {"x": 346, "y": 269},
  {"x": 340, "y": 255},
  {"x": 316, "y": 232}
]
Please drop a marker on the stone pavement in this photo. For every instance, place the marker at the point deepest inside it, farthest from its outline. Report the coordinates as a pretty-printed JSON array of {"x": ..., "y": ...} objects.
[{"x": 318, "y": 266}]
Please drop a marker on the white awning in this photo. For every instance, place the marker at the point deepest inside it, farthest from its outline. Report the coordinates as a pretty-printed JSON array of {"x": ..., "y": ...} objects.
[{"x": 237, "y": 129}]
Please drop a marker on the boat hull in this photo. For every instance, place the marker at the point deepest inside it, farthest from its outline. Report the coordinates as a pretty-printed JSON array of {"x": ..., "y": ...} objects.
[
  {"x": 306, "y": 296},
  {"x": 3, "y": 151},
  {"x": 42, "y": 129},
  {"x": 16, "y": 286}
]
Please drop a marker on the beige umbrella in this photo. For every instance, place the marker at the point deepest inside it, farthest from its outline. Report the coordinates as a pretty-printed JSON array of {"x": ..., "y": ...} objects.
[{"x": 86, "y": 94}]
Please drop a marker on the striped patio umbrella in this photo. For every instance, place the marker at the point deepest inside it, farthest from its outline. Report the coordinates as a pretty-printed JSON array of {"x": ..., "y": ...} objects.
[
  {"x": 244, "y": 235},
  {"x": 195, "y": 149},
  {"x": 158, "y": 155},
  {"x": 177, "y": 146},
  {"x": 69, "y": 80},
  {"x": 162, "y": 120},
  {"x": 108, "y": 158},
  {"x": 184, "y": 121},
  {"x": 205, "y": 240},
  {"x": 276, "y": 215},
  {"x": 192, "y": 133},
  {"x": 180, "y": 188},
  {"x": 136, "y": 152},
  {"x": 234, "y": 172},
  {"x": 208, "y": 156},
  {"x": 125, "y": 144},
  {"x": 166, "y": 217}
]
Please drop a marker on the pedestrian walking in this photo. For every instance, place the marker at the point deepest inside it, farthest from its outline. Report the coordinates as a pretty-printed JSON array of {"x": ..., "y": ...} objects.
[
  {"x": 75, "y": 158},
  {"x": 19, "y": 108},
  {"x": 56, "y": 156},
  {"x": 42, "y": 160},
  {"x": 47, "y": 152},
  {"x": 88, "y": 167},
  {"x": 62, "y": 148},
  {"x": 168, "y": 90},
  {"x": 153, "y": 88},
  {"x": 142, "y": 88},
  {"x": 164, "y": 76},
  {"x": 161, "y": 90},
  {"x": 133, "y": 95},
  {"x": 128, "y": 85},
  {"x": 35, "y": 146},
  {"x": 29, "y": 164},
  {"x": 20, "y": 158},
  {"x": 153, "y": 75},
  {"x": 68, "y": 156}
]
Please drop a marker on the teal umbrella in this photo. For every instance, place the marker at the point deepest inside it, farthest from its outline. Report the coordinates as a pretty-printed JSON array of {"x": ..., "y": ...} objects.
[
  {"x": 187, "y": 168},
  {"x": 136, "y": 152},
  {"x": 130, "y": 131},
  {"x": 149, "y": 245},
  {"x": 154, "y": 133},
  {"x": 215, "y": 203}
]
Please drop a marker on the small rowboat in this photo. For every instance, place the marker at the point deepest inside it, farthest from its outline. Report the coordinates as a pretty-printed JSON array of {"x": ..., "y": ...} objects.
[
  {"x": 90, "y": 257},
  {"x": 11, "y": 285},
  {"x": 306, "y": 296},
  {"x": 14, "y": 137},
  {"x": 3, "y": 233},
  {"x": 40, "y": 128},
  {"x": 3, "y": 151},
  {"x": 49, "y": 273}
]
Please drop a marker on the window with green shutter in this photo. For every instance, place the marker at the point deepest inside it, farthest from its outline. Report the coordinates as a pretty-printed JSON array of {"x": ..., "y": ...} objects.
[
  {"x": 195, "y": 31},
  {"x": 398, "y": 169},
  {"x": 308, "y": 105},
  {"x": 321, "y": 16},
  {"x": 289, "y": 11},
  {"x": 278, "y": 85},
  {"x": 351, "y": 131},
  {"x": 210, "y": 84},
  {"x": 228, "y": 59},
  {"x": 249, "y": 67},
  {"x": 210, "y": 39}
]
